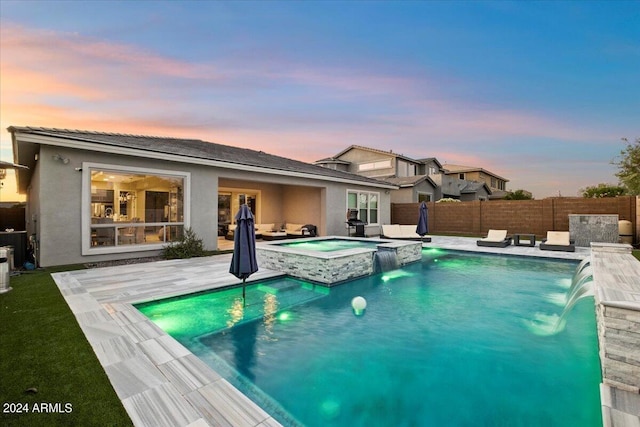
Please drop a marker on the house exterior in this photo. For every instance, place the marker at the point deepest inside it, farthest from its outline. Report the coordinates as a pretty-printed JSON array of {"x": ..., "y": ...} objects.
[
  {"x": 94, "y": 196},
  {"x": 497, "y": 185},
  {"x": 418, "y": 179}
]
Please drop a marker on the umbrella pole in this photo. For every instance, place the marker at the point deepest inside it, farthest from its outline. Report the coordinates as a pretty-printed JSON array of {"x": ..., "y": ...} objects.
[{"x": 244, "y": 300}]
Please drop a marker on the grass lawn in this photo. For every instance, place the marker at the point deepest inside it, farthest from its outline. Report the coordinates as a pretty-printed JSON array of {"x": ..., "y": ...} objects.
[
  {"x": 636, "y": 254},
  {"x": 43, "y": 348}
]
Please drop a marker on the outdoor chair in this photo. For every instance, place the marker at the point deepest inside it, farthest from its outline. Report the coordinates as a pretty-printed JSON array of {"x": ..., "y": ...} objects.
[
  {"x": 558, "y": 241},
  {"x": 495, "y": 239},
  {"x": 402, "y": 232}
]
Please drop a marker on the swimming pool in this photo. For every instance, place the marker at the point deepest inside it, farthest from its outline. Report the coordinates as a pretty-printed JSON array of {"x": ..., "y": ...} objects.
[{"x": 457, "y": 339}]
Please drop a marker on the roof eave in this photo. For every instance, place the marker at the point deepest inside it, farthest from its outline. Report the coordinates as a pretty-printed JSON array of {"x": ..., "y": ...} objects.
[{"x": 100, "y": 146}]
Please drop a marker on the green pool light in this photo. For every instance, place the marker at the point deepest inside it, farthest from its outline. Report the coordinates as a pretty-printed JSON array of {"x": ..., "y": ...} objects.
[
  {"x": 284, "y": 316},
  {"x": 395, "y": 274}
]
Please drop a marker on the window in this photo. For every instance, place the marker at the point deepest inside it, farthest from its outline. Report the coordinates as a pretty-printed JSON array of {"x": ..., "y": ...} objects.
[
  {"x": 126, "y": 209},
  {"x": 367, "y": 204},
  {"x": 461, "y": 176},
  {"x": 424, "y": 197},
  {"x": 405, "y": 169},
  {"x": 433, "y": 170},
  {"x": 382, "y": 164}
]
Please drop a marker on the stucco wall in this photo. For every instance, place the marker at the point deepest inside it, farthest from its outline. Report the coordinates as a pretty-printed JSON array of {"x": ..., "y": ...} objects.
[
  {"x": 356, "y": 156},
  {"x": 59, "y": 187},
  {"x": 58, "y": 217}
]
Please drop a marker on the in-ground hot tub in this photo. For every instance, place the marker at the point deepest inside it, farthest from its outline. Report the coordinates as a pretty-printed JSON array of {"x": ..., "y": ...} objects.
[{"x": 332, "y": 260}]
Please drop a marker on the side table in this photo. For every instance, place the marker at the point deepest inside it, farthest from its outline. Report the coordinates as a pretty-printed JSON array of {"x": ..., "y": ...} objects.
[{"x": 524, "y": 239}]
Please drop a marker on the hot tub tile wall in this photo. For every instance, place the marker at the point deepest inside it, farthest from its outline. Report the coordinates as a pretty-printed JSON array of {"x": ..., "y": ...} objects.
[
  {"x": 331, "y": 268},
  {"x": 326, "y": 270}
]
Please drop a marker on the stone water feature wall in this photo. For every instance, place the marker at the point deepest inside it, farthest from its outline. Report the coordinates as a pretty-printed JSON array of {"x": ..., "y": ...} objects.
[
  {"x": 331, "y": 268},
  {"x": 616, "y": 275},
  {"x": 326, "y": 269},
  {"x": 585, "y": 229},
  {"x": 405, "y": 251}
]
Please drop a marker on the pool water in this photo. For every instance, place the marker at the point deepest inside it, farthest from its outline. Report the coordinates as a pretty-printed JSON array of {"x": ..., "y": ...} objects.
[
  {"x": 457, "y": 339},
  {"x": 331, "y": 245}
]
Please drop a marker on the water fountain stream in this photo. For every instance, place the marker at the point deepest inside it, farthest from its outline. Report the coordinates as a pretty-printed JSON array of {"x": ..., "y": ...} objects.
[{"x": 386, "y": 260}]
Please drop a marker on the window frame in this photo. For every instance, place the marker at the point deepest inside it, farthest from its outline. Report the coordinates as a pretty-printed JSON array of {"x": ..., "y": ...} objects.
[
  {"x": 358, "y": 193},
  {"x": 85, "y": 200},
  {"x": 424, "y": 193},
  {"x": 375, "y": 165}
]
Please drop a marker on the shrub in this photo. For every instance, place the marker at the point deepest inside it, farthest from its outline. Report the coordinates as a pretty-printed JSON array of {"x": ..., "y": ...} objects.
[{"x": 188, "y": 246}]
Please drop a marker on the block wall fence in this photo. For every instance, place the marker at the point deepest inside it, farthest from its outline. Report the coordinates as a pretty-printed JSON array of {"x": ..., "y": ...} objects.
[{"x": 517, "y": 216}]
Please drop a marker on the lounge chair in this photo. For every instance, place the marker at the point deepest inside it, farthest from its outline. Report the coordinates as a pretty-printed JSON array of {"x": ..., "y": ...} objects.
[
  {"x": 558, "y": 241},
  {"x": 402, "y": 232},
  {"x": 495, "y": 239}
]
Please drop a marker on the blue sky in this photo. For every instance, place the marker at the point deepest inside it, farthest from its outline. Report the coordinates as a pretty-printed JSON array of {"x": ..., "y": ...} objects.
[{"x": 537, "y": 92}]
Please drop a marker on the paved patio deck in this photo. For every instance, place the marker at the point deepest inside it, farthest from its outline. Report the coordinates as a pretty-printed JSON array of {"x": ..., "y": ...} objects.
[{"x": 159, "y": 382}]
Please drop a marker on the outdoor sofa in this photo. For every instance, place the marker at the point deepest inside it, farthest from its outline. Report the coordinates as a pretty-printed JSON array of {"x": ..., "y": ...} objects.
[
  {"x": 495, "y": 239},
  {"x": 402, "y": 232},
  {"x": 290, "y": 231},
  {"x": 300, "y": 230},
  {"x": 558, "y": 241},
  {"x": 260, "y": 229}
]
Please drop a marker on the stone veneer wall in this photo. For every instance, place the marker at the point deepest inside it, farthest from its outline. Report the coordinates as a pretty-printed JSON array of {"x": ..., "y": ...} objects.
[
  {"x": 408, "y": 253},
  {"x": 616, "y": 276},
  {"x": 585, "y": 229},
  {"x": 333, "y": 268},
  {"x": 327, "y": 270}
]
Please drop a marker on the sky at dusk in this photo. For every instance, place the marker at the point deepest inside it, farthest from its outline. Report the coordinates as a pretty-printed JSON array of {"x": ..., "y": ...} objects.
[{"x": 540, "y": 93}]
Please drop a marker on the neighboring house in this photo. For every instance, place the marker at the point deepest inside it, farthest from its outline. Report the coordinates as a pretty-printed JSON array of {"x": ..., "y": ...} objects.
[
  {"x": 460, "y": 189},
  {"x": 94, "y": 196},
  {"x": 496, "y": 184},
  {"x": 418, "y": 179}
]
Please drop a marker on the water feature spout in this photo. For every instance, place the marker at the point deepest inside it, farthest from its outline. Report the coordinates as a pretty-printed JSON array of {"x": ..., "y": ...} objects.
[
  {"x": 581, "y": 286},
  {"x": 583, "y": 264},
  {"x": 386, "y": 260}
]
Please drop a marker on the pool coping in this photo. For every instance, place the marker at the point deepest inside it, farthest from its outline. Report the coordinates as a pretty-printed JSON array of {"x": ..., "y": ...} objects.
[{"x": 160, "y": 382}]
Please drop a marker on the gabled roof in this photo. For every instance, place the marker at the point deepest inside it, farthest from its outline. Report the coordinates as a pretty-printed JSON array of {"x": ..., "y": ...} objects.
[
  {"x": 410, "y": 181},
  {"x": 183, "y": 150},
  {"x": 331, "y": 160},
  {"x": 373, "y": 150},
  {"x": 429, "y": 160},
  {"x": 472, "y": 187},
  {"x": 460, "y": 169}
]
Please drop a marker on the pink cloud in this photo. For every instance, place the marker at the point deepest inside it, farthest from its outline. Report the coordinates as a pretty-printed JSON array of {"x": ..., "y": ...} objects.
[
  {"x": 65, "y": 80},
  {"x": 72, "y": 52}
]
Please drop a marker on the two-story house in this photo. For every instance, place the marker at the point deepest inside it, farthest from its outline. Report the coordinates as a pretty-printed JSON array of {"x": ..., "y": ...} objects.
[
  {"x": 496, "y": 183},
  {"x": 418, "y": 179}
]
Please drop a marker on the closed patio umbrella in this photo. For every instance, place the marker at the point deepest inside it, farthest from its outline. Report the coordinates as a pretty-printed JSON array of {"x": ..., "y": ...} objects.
[
  {"x": 243, "y": 261},
  {"x": 423, "y": 225}
]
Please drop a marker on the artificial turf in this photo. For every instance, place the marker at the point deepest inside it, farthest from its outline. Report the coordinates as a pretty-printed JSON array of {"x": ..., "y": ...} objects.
[{"x": 48, "y": 370}]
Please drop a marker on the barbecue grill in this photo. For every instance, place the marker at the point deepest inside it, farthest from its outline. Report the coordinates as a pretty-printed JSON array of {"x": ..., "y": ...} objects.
[{"x": 354, "y": 222}]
